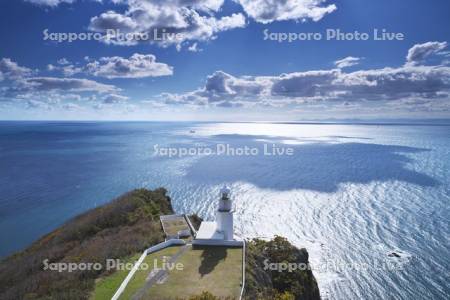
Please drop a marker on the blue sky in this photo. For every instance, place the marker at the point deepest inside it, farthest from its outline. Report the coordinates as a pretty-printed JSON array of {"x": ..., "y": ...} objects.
[{"x": 222, "y": 67}]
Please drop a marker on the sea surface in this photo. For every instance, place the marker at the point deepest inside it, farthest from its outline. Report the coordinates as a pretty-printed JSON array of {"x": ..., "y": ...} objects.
[{"x": 371, "y": 203}]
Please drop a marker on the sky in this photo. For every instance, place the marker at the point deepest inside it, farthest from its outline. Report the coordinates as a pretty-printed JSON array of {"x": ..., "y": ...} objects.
[{"x": 233, "y": 60}]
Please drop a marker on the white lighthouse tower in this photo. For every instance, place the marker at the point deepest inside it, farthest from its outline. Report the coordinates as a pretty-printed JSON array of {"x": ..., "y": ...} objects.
[
  {"x": 220, "y": 232},
  {"x": 224, "y": 214}
]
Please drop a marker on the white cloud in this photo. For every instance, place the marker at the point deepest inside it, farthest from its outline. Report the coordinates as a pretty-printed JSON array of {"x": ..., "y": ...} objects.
[
  {"x": 64, "y": 84},
  {"x": 63, "y": 61},
  {"x": 114, "y": 98},
  {"x": 51, "y": 67},
  {"x": 112, "y": 20},
  {"x": 52, "y": 3},
  {"x": 349, "y": 61},
  {"x": 174, "y": 16},
  {"x": 34, "y": 104},
  {"x": 419, "y": 52},
  {"x": 267, "y": 11},
  {"x": 70, "y": 70},
  {"x": 194, "y": 48},
  {"x": 65, "y": 66},
  {"x": 11, "y": 70},
  {"x": 201, "y": 5},
  {"x": 137, "y": 66},
  {"x": 72, "y": 107},
  {"x": 430, "y": 83},
  {"x": 40, "y": 92}
]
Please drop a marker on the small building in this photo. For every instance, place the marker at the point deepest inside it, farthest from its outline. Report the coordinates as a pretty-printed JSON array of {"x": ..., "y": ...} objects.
[{"x": 221, "y": 231}]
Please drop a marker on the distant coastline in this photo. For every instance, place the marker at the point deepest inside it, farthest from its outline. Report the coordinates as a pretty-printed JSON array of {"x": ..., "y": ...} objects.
[{"x": 377, "y": 122}]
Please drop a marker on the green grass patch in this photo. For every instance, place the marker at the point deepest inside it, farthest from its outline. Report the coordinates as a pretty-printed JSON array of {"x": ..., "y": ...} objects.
[
  {"x": 139, "y": 278},
  {"x": 105, "y": 287},
  {"x": 217, "y": 270}
]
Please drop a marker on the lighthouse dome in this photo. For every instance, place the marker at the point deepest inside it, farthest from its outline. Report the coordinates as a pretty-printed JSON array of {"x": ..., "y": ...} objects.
[
  {"x": 224, "y": 201},
  {"x": 225, "y": 191}
]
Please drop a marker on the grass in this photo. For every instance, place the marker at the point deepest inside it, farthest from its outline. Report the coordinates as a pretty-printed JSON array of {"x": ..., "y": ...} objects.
[
  {"x": 140, "y": 276},
  {"x": 217, "y": 270},
  {"x": 214, "y": 269},
  {"x": 106, "y": 287}
]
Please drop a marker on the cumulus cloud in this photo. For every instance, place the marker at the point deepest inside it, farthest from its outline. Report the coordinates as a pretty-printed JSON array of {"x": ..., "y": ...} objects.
[
  {"x": 70, "y": 70},
  {"x": 72, "y": 107},
  {"x": 430, "y": 83},
  {"x": 194, "y": 48},
  {"x": 137, "y": 66},
  {"x": 51, "y": 3},
  {"x": 183, "y": 17},
  {"x": 419, "y": 52},
  {"x": 34, "y": 104},
  {"x": 113, "y": 20},
  {"x": 65, "y": 84},
  {"x": 349, "y": 61},
  {"x": 194, "y": 20},
  {"x": 267, "y": 11},
  {"x": 41, "y": 92},
  {"x": 11, "y": 70},
  {"x": 114, "y": 98},
  {"x": 63, "y": 61}
]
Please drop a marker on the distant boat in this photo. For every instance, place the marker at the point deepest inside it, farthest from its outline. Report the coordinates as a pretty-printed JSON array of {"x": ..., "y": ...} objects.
[{"x": 191, "y": 131}]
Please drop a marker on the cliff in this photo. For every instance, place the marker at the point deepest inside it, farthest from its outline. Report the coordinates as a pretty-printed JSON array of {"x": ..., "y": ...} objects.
[{"x": 278, "y": 270}]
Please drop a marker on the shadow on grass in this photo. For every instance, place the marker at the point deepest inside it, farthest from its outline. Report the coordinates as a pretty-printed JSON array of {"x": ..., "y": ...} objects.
[{"x": 211, "y": 257}]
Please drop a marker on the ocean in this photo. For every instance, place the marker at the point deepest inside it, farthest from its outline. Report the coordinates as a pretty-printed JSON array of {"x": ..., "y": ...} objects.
[{"x": 369, "y": 202}]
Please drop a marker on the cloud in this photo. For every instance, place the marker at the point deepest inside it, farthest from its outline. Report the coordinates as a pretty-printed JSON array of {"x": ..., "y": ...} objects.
[
  {"x": 191, "y": 20},
  {"x": 112, "y": 20},
  {"x": 194, "y": 48},
  {"x": 137, "y": 66},
  {"x": 40, "y": 92},
  {"x": 349, "y": 61},
  {"x": 114, "y": 98},
  {"x": 268, "y": 11},
  {"x": 72, "y": 107},
  {"x": 11, "y": 70},
  {"x": 202, "y": 5},
  {"x": 63, "y": 61},
  {"x": 67, "y": 70},
  {"x": 430, "y": 83},
  {"x": 419, "y": 52},
  {"x": 70, "y": 70},
  {"x": 64, "y": 84},
  {"x": 52, "y": 3},
  {"x": 34, "y": 104}
]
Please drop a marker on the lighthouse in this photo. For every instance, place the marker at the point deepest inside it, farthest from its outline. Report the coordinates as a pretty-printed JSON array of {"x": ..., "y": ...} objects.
[
  {"x": 219, "y": 232},
  {"x": 224, "y": 214}
]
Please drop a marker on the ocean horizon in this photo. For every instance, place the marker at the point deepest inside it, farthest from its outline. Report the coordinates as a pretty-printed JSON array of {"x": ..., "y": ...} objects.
[{"x": 368, "y": 201}]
